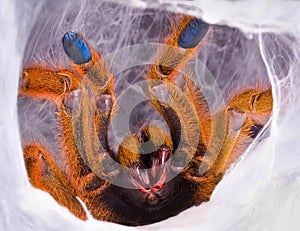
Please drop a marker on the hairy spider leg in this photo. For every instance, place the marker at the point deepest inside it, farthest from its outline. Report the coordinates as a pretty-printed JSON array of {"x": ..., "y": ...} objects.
[
  {"x": 85, "y": 183},
  {"x": 89, "y": 123},
  {"x": 46, "y": 83},
  {"x": 45, "y": 175},
  {"x": 247, "y": 113}
]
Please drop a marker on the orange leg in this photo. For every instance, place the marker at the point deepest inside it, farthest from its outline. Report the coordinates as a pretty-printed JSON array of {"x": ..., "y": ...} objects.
[
  {"x": 45, "y": 175},
  {"x": 246, "y": 114},
  {"x": 48, "y": 84}
]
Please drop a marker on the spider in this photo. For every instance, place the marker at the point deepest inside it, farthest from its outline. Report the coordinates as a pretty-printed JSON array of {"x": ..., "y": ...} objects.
[{"x": 154, "y": 174}]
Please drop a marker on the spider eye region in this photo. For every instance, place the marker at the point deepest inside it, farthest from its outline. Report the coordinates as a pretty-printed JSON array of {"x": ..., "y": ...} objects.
[
  {"x": 76, "y": 48},
  {"x": 193, "y": 33}
]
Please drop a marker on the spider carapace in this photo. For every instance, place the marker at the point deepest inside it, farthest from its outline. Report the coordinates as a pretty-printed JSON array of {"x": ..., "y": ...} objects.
[{"x": 155, "y": 173}]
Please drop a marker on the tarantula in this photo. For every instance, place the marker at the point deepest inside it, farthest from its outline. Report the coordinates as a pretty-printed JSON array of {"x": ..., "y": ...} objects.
[{"x": 155, "y": 173}]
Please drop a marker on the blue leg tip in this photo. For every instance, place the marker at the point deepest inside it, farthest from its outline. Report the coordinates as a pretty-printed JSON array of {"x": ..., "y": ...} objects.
[
  {"x": 193, "y": 33},
  {"x": 76, "y": 48}
]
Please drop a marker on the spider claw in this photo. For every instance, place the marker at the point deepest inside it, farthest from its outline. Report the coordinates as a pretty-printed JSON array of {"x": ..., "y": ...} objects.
[
  {"x": 236, "y": 120},
  {"x": 180, "y": 161},
  {"x": 164, "y": 71},
  {"x": 71, "y": 101},
  {"x": 193, "y": 33},
  {"x": 162, "y": 93},
  {"x": 104, "y": 103},
  {"x": 179, "y": 80},
  {"x": 76, "y": 48}
]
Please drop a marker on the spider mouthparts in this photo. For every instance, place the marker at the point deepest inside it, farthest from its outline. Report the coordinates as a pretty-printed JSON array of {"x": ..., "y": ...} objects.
[
  {"x": 142, "y": 182},
  {"x": 76, "y": 48},
  {"x": 151, "y": 180}
]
